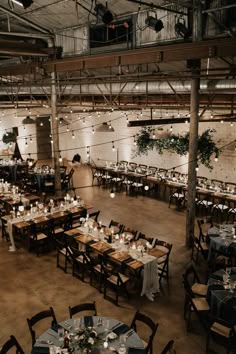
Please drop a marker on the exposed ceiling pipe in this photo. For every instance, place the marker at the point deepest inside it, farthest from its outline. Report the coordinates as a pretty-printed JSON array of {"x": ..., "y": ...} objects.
[
  {"x": 27, "y": 35},
  {"x": 181, "y": 87},
  {"x": 22, "y": 19}
]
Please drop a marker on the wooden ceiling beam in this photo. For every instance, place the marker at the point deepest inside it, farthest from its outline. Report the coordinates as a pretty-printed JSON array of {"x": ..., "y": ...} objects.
[{"x": 225, "y": 47}]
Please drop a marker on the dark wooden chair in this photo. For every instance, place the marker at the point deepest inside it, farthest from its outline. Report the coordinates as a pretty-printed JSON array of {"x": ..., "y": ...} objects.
[
  {"x": 140, "y": 319},
  {"x": 163, "y": 262},
  {"x": 10, "y": 344},
  {"x": 87, "y": 306},
  {"x": 39, "y": 317},
  {"x": 222, "y": 333},
  {"x": 169, "y": 348},
  {"x": 116, "y": 281}
]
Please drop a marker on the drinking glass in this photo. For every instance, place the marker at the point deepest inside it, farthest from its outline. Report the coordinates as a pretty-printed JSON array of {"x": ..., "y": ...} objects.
[
  {"x": 61, "y": 334},
  {"x": 225, "y": 278},
  {"x": 106, "y": 324}
]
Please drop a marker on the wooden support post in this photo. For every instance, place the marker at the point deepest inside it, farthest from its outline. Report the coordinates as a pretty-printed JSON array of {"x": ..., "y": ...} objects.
[{"x": 55, "y": 135}]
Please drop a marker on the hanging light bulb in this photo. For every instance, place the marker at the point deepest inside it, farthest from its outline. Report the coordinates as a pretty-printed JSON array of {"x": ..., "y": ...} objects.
[
  {"x": 222, "y": 121},
  {"x": 60, "y": 158},
  {"x": 113, "y": 146},
  {"x": 146, "y": 188},
  {"x": 67, "y": 128},
  {"x": 232, "y": 124},
  {"x": 83, "y": 120},
  {"x": 153, "y": 135},
  {"x": 10, "y": 144},
  {"x": 197, "y": 168},
  {"x": 41, "y": 123},
  {"x": 93, "y": 129},
  {"x": 135, "y": 142},
  {"x": 110, "y": 125},
  {"x": 88, "y": 151},
  {"x": 216, "y": 157},
  {"x": 127, "y": 118},
  {"x": 171, "y": 128},
  {"x": 31, "y": 140},
  {"x": 112, "y": 194},
  {"x": 73, "y": 134},
  {"x": 51, "y": 141}
]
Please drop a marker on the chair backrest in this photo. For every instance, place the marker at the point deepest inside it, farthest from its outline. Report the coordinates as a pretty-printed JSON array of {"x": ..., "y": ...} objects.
[
  {"x": 142, "y": 318},
  {"x": 9, "y": 344},
  {"x": 190, "y": 276},
  {"x": 116, "y": 224},
  {"x": 87, "y": 306},
  {"x": 94, "y": 215},
  {"x": 38, "y": 317},
  {"x": 130, "y": 231},
  {"x": 169, "y": 348},
  {"x": 164, "y": 244},
  {"x": 204, "y": 226}
]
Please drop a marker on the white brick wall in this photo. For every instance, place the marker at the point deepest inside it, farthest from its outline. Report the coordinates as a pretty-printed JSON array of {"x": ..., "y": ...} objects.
[{"x": 224, "y": 169}]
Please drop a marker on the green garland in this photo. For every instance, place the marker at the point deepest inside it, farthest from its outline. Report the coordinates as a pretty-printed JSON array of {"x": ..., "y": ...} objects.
[{"x": 178, "y": 144}]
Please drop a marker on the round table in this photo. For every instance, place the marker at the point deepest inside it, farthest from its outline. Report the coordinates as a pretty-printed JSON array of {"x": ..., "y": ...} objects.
[
  {"x": 224, "y": 243},
  {"x": 222, "y": 301},
  {"x": 103, "y": 326}
]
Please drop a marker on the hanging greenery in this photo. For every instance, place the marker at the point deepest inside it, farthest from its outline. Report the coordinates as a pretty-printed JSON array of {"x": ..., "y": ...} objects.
[
  {"x": 178, "y": 144},
  {"x": 9, "y": 137}
]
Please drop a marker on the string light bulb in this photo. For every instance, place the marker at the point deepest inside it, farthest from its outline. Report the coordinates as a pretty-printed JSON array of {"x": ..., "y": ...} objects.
[
  {"x": 88, "y": 151},
  {"x": 135, "y": 142},
  {"x": 93, "y": 131},
  {"x": 197, "y": 168},
  {"x": 171, "y": 128},
  {"x": 153, "y": 135},
  {"x": 67, "y": 128},
  {"x": 113, "y": 146},
  {"x": 73, "y": 134},
  {"x": 232, "y": 124},
  {"x": 31, "y": 140},
  {"x": 112, "y": 194},
  {"x": 60, "y": 158},
  {"x": 216, "y": 157}
]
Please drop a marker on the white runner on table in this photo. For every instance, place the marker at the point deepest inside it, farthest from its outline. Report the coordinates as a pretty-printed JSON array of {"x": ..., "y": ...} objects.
[{"x": 150, "y": 271}]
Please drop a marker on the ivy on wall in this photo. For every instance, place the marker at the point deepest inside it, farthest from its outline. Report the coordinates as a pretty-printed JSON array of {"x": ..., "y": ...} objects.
[{"x": 178, "y": 144}]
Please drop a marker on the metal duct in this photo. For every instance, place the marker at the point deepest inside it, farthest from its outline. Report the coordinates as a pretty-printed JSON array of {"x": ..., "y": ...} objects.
[{"x": 133, "y": 88}]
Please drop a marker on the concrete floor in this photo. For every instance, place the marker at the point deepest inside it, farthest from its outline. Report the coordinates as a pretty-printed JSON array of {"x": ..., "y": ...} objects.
[{"x": 30, "y": 284}]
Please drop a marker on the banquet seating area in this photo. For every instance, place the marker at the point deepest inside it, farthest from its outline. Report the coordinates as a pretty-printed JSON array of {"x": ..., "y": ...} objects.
[
  {"x": 213, "y": 197},
  {"x": 104, "y": 253}
]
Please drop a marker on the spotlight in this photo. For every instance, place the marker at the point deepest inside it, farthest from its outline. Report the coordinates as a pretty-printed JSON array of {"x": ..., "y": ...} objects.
[
  {"x": 181, "y": 30},
  {"x": 24, "y": 3},
  {"x": 103, "y": 13},
  {"x": 154, "y": 23}
]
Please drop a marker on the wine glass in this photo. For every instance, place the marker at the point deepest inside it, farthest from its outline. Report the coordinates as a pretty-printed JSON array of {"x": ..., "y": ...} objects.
[{"x": 106, "y": 324}]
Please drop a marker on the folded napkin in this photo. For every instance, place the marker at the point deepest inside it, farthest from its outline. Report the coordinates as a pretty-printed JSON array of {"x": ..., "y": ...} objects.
[
  {"x": 123, "y": 328},
  {"x": 216, "y": 287},
  {"x": 40, "y": 350},
  {"x": 55, "y": 327},
  {"x": 88, "y": 321},
  {"x": 136, "y": 351}
]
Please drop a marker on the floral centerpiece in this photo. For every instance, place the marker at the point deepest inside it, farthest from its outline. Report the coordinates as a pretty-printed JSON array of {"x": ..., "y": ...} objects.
[{"x": 84, "y": 340}]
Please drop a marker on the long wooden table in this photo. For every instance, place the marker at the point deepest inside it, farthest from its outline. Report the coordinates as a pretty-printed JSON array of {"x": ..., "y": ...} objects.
[{"x": 22, "y": 225}]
